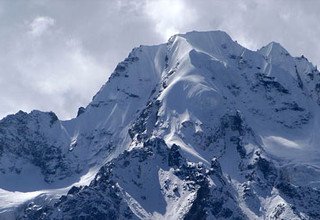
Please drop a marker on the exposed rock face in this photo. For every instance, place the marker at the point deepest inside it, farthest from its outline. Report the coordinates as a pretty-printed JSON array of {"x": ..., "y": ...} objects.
[{"x": 197, "y": 128}]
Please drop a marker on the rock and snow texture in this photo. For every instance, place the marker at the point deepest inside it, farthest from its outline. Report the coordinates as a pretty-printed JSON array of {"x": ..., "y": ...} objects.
[{"x": 197, "y": 128}]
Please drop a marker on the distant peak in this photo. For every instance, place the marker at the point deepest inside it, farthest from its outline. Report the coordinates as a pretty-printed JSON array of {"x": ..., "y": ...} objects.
[{"x": 273, "y": 49}]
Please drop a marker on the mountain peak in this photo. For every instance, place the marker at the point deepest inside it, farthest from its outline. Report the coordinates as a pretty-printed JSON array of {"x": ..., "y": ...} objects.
[
  {"x": 216, "y": 44},
  {"x": 273, "y": 49},
  {"x": 206, "y": 38},
  {"x": 200, "y": 117},
  {"x": 217, "y": 34}
]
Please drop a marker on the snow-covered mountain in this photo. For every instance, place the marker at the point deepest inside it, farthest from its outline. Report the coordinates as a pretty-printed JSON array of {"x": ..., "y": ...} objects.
[{"x": 197, "y": 128}]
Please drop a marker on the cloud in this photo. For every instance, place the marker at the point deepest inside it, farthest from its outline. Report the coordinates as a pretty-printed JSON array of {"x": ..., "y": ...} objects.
[
  {"x": 170, "y": 17},
  {"x": 48, "y": 78},
  {"x": 45, "y": 68},
  {"x": 40, "y": 24},
  {"x": 55, "y": 55}
]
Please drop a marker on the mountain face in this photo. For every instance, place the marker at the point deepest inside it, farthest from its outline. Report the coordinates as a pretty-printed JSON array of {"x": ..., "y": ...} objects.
[{"x": 197, "y": 128}]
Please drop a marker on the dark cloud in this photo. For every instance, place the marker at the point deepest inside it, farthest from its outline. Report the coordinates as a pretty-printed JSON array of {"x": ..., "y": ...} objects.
[{"x": 56, "y": 54}]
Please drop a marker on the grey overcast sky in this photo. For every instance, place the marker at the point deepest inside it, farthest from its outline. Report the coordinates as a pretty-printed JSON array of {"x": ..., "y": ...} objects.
[{"x": 55, "y": 55}]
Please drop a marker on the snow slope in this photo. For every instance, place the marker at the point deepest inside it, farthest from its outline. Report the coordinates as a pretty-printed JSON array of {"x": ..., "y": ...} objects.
[{"x": 197, "y": 128}]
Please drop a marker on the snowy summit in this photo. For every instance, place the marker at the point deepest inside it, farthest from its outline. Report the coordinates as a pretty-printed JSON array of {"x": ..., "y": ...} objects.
[{"x": 196, "y": 128}]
